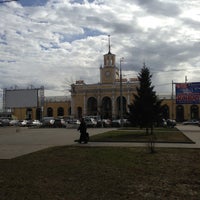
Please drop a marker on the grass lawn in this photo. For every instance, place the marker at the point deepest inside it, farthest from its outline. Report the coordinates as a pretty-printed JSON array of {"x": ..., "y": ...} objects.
[
  {"x": 139, "y": 135},
  {"x": 89, "y": 173}
]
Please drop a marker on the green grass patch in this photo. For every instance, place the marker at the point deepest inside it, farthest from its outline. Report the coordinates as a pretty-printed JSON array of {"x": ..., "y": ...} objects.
[
  {"x": 89, "y": 173},
  {"x": 172, "y": 135}
]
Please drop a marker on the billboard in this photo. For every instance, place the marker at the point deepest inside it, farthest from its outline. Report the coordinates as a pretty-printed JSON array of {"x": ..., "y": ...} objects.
[
  {"x": 21, "y": 98},
  {"x": 188, "y": 93}
]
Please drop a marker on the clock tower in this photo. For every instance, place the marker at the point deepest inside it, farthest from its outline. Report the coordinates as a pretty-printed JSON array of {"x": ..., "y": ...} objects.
[{"x": 109, "y": 72}]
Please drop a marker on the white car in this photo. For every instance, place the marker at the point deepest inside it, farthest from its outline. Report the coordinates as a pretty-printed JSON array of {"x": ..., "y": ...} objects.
[
  {"x": 36, "y": 123},
  {"x": 90, "y": 122},
  {"x": 72, "y": 123},
  {"x": 14, "y": 122},
  {"x": 191, "y": 122},
  {"x": 26, "y": 123}
]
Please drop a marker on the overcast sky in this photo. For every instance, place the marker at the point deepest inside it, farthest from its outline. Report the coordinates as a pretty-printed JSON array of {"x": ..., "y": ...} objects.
[{"x": 53, "y": 43}]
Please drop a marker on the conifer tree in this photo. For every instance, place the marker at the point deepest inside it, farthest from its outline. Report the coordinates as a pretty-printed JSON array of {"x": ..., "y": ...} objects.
[{"x": 145, "y": 110}]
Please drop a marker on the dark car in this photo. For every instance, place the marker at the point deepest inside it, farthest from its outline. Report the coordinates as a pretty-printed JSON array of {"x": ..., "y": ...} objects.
[
  {"x": 171, "y": 123},
  {"x": 47, "y": 122},
  {"x": 116, "y": 123},
  {"x": 58, "y": 123},
  {"x": 90, "y": 122},
  {"x": 4, "y": 122}
]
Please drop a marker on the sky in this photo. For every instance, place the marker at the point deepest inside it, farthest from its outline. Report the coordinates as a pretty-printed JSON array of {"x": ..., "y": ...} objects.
[{"x": 53, "y": 43}]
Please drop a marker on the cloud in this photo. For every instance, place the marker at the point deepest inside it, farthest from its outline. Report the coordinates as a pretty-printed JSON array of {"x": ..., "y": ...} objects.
[
  {"x": 194, "y": 24},
  {"x": 47, "y": 42},
  {"x": 36, "y": 3},
  {"x": 158, "y": 7}
]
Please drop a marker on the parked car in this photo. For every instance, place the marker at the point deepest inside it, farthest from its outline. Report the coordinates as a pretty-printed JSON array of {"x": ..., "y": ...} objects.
[
  {"x": 191, "y": 122},
  {"x": 171, "y": 123},
  {"x": 117, "y": 122},
  {"x": 106, "y": 123},
  {"x": 57, "y": 123},
  {"x": 25, "y": 123},
  {"x": 14, "y": 122},
  {"x": 72, "y": 123},
  {"x": 36, "y": 123},
  {"x": 4, "y": 122},
  {"x": 90, "y": 122},
  {"x": 47, "y": 122}
]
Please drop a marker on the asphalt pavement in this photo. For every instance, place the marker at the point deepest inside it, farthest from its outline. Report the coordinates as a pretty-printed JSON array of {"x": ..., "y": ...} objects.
[{"x": 15, "y": 142}]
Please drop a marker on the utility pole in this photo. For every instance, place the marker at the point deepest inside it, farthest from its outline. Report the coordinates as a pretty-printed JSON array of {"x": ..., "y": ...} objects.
[
  {"x": 172, "y": 99},
  {"x": 121, "y": 97},
  {"x": 186, "y": 79}
]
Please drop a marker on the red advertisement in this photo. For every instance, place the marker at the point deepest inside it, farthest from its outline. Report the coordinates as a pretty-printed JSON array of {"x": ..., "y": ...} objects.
[{"x": 188, "y": 93}]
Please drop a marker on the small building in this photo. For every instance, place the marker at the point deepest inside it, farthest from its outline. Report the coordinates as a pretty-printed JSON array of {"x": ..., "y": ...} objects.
[
  {"x": 57, "y": 107},
  {"x": 179, "y": 112}
]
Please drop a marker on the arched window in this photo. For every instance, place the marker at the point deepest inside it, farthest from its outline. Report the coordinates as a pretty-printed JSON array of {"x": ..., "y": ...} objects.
[
  {"x": 179, "y": 113},
  {"x": 106, "y": 111},
  {"x": 29, "y": 113},
  {"x": 49, "y": 112},
  {"x": 165, "y": 112},
  {"x": 194, "y": 111},
  {"x": 123, "y": 106},
  {"x": 60, "y": 112},
  {"x": 38, "y": 114},
  {"x": 92, "y": 106},
  {"x": 69, "y": 111},
  {"x": 79, "y": 111}
]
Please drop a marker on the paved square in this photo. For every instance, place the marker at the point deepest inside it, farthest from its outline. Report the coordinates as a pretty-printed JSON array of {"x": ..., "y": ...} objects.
[{"x": 15, "y": 141}]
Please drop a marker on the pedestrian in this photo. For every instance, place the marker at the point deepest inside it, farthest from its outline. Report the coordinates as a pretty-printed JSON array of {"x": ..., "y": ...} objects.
[{"x": 83, "y": 131}]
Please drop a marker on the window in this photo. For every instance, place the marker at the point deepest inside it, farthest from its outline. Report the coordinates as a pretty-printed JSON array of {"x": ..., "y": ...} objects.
[
  {"x": 60, "y": 112},
  {"x": 49, "y": 112}
]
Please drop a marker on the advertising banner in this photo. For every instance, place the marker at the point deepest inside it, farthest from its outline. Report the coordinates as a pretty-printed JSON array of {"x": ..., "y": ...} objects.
[{"x": 188, "y": 93}]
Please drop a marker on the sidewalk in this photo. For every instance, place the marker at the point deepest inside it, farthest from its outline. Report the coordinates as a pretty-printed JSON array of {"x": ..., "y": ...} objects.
[
  {"x": 15, "y": 143},
  {"x": 134, "y": 144}
]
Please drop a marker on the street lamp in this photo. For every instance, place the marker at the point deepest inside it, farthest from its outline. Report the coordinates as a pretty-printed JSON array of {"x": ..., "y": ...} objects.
[{"x": 121, "y": 97}]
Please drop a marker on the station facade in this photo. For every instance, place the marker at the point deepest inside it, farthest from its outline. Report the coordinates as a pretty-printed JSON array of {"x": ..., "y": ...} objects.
[
  {"x": 103, "y": 99},
  {"x": 62, "y": 109}
]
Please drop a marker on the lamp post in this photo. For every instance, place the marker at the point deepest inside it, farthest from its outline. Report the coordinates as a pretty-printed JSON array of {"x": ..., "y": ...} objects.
[{"x": 121, "y": 97}]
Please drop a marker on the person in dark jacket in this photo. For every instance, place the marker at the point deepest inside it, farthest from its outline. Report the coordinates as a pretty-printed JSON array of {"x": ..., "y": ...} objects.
[{"x": 83, "y": 131}]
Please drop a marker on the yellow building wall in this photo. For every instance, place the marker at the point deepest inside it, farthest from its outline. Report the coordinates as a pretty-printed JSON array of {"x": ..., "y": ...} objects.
[
  {"x": 21, "y": 113},
  {"x": 187, "y": 109},
  {"x": 55, "y": 105},
  {"x": 82, "y": 92}
]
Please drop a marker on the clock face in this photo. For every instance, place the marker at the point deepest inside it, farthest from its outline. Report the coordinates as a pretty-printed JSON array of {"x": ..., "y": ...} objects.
[{"x": 107, "y": 73}]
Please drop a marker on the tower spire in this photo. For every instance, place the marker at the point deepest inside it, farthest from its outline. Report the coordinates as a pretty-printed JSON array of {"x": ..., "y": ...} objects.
[{"x": 108, "y": 43}]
